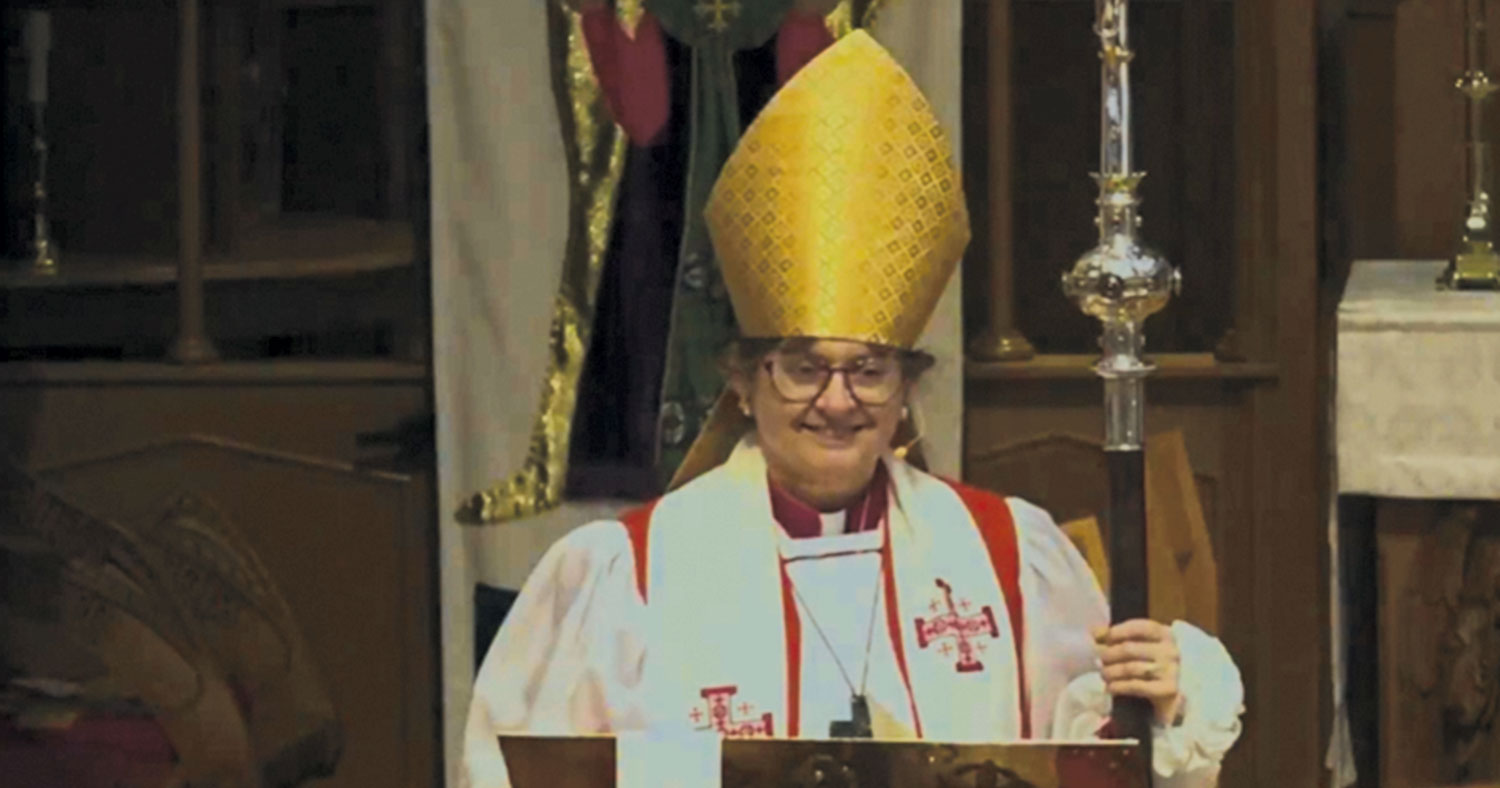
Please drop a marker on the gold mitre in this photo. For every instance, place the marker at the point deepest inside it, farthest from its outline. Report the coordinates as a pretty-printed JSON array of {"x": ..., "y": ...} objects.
[
  {"x": 841, "y": 212},
  {"x": 839, "y": 215}
]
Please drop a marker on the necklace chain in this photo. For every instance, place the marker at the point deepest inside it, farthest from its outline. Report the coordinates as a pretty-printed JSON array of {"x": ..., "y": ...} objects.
[{"x": 869, "y": 637}]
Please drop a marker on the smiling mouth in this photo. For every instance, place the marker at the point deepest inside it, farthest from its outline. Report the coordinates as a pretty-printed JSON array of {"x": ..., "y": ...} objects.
[{"x": 830, "y": 434}]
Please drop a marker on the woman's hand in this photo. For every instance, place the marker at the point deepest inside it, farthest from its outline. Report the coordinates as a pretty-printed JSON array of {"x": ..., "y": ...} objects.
[{"x": 1140, "y": 659}]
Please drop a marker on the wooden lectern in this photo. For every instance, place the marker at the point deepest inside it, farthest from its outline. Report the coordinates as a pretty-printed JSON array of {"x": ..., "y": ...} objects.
[{"x": 590, "y": 762}]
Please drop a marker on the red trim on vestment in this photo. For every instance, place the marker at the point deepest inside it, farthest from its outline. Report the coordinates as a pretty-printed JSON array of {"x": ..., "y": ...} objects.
[
  {"x": 793, "y": 655},
  {"x": 992, "y": 514},
  {"x": 801, "y": 521},
  {"x": 893, "y": 626},
  {"x": 637, "y": 525}
]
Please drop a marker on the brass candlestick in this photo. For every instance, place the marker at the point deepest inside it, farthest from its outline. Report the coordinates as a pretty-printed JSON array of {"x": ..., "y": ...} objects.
[
  {"x": 37, "y": 38},
  {"x": 44, "y": 250},
  {"x": 1476, "y": 265}
]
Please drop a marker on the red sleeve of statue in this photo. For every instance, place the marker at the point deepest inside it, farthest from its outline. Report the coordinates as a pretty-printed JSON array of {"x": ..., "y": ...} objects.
[
  {"x": 632, "y": 72},
  {"x": 800, "y": 39}
]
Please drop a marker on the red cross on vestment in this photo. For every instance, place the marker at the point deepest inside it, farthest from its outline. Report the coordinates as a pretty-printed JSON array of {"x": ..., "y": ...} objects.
[
  {"x": 963, "y": 630},
  {"x": 719, "y": 703}
]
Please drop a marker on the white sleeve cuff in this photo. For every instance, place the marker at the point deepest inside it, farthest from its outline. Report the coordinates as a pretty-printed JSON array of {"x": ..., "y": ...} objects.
[{"x": 1213, "y": 700}]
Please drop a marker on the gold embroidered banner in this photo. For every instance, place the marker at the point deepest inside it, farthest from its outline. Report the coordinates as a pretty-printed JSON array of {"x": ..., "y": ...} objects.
[
  {"x": 596, "y": 149},
  {"x": 596, "y": 155}
]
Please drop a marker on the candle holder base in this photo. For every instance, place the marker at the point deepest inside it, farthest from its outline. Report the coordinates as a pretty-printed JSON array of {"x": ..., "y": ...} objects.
[
  {"x": 44, "y": 258},
  {"x": 1001, "y": 345},
  {"x": 193, "y": 350},
  {"x": 1231, "y": 347},
  {"x": 1475, "y": 268}
]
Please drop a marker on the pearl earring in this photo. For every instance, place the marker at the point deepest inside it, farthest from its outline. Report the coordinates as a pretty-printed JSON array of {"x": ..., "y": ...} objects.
[{"x": 905, "y": 412}]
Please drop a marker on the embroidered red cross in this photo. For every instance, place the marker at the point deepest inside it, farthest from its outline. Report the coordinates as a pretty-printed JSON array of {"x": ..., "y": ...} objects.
[
  {"x": 719, "y": 702},
  {"x": 962, "y": 629}
]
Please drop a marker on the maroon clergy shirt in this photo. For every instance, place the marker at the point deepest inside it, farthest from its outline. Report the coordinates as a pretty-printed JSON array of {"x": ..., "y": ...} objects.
[{"x": 801, "y": 521}]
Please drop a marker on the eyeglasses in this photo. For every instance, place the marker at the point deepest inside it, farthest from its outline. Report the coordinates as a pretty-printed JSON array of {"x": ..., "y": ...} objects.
[{"x": 869, "y": 380}]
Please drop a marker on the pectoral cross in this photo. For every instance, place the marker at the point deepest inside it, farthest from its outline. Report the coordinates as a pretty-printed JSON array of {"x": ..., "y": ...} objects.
[{"x": 858, "y": 725}]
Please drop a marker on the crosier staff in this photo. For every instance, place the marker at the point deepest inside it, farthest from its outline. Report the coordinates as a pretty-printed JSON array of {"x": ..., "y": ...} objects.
[{"x": 1121, "y": 283}]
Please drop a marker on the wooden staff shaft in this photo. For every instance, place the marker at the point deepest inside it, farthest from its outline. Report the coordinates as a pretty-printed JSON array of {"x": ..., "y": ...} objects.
[{"x": 1129, "y": 587}]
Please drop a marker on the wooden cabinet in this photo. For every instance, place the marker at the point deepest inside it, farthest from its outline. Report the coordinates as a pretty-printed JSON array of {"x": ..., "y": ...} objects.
[{"x": 240, "y": 313}]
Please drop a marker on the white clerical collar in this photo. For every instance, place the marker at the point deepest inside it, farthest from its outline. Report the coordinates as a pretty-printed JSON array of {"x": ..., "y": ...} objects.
[{"x": 839, "y": 542}]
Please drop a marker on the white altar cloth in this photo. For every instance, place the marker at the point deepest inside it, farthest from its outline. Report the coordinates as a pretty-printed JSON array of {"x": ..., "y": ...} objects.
[{"x": 1416, "y": 410}]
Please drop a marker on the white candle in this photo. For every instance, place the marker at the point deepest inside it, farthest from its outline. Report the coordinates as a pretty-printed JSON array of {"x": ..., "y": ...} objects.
[{"x": 38, "y": 39}]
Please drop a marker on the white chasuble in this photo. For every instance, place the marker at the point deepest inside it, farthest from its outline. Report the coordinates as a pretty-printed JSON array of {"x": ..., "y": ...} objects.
[{"x": 699, "y": 617}]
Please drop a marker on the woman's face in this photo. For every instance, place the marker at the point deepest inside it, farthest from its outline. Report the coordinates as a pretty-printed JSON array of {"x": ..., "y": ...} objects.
[{"x": 824, "y": 413}]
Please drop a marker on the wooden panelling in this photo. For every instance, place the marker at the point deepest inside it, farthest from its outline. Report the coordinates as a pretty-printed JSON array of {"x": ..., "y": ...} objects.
[
  {"x": 1369, "y": 178},
  {"x": 1003, "y": 417},
  {"x": 1183, "y": 91},
  {"x": 1429, "y": 127},
  {"x": 286, "y": 454},
  {"x": 348, "y": 549},
  {"x": 52, "y": 415},
  {"x": 1438, "y": 642},
  {"x": 1285, "y": 563},
  {"x": 111, "y": 126},
  {"x": 1020, "y": 436},
  {"x": 1228, "y": 135}
]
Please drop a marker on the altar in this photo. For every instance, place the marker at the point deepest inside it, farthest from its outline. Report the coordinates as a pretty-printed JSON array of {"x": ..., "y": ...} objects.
[{"x": 1415, "y": 530}]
